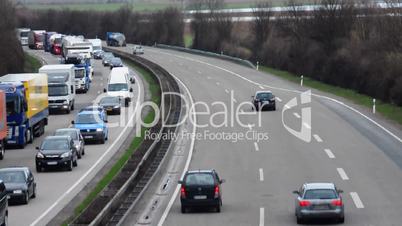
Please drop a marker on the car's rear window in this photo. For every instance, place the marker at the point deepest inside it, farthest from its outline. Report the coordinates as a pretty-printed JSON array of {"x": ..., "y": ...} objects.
[
  {"x": 320, "y": 194},
  {"x": 199, "y": 179}
]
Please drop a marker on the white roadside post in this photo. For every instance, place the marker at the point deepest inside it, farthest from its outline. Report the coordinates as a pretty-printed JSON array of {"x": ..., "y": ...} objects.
[
  {"x": 257, "y": 65},
  {"x": 301, "y": 80},
  {"x": 374, "y": 106}
]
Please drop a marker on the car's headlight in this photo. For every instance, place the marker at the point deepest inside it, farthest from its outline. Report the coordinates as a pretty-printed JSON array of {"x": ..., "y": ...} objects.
[
  {"x": 99, "y": 129},
  {"x": 65, "y": 155},
  {"x": 17, "y": 191},
  {"x": 77, "y": 146},
  {"x": 116, "y": 106},
  {"x": 40, "y": 155}
]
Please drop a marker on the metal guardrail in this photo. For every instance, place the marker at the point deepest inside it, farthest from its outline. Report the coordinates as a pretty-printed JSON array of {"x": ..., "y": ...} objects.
[
  {"x": 210, "y": 54},
  {"x": 111, "y": 206}
]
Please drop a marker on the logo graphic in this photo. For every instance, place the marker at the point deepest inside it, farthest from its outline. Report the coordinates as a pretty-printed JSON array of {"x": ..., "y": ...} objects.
[{"x": 305, "y": 133}]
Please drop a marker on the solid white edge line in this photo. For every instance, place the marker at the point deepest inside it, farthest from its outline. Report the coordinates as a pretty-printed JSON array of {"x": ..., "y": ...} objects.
[
  {"x": 329, "y": 153},
  {"x": 47, "y": 211},
  {"x": 256, "y": 146},
  {"x": 278, "y": 99},
  {"x": 296, "y": 115},
  {"x": 342, "y": 174},
  {"x": 289, "y": 90},
  {"x": 262, "y": 217},
  {"x": 176, "y": 192},
  {"x": 262, "y": 87},
  {"x": 317, "y": 138},
  {"x": 261, "y": 170},
  {"x": 356, "y": 199}
]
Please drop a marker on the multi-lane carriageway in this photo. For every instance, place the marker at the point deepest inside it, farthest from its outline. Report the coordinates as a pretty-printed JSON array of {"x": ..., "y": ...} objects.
[{"x": 347, "y": 147}]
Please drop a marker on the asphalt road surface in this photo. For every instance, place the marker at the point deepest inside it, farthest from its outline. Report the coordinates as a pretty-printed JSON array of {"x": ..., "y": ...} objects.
[
  {"x": 56, "y": 188},
  {"x": 346, "y": 148}
]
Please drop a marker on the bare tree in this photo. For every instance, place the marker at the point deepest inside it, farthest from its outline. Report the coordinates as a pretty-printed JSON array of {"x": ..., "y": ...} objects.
[{"x": 261, "y": 25}]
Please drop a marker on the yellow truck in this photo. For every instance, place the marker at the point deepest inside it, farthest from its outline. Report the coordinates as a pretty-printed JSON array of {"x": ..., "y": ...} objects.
[{"x": 26, "y": 106}]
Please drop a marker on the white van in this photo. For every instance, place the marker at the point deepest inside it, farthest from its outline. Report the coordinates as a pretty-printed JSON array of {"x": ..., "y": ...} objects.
[
  {"x": 61, "y": 86},
  {"x": 119, "y": 84}
]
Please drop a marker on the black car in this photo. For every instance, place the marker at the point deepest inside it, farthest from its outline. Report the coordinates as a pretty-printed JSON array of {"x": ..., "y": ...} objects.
[
  {"x": 56, "y": 152},
  {"x": 106, "y": 57},
  {"x": 115, "y": 62},
  {"x": 263, "y": 100},
  {"x": 76, "y": 135},
  {"x": 201, "y": 188},
  {"x": 111, "y": 104},
  {"x": 20, "y": 183},
  {"x": 3, "y": 204},
  {"x": 98, "y": 54}
]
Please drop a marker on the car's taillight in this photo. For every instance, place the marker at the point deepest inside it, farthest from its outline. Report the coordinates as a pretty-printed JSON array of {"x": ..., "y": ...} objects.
[
  {"x": 216, "y": 191},
  {"x": 304, "y": 203},
  {"x": 337, "y": 202},
  {"x": 183, "y": 192}
]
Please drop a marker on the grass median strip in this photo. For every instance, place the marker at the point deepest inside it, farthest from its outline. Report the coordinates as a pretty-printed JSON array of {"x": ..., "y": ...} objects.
[
  {"x": 389, "y": 111},
  {"x": 31, "y": 64},
  {"x": 137, "y": 141}
]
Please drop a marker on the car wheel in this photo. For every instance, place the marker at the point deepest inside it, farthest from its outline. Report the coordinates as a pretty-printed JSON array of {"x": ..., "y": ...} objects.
[
  {"x": 68, "y": 111},
  {"x": 218, "y": 208},
  {"x": 2, "y": 149},
  {"x": 72, "y": 107},
  {"x": 183, "y": 209},
  {"x": 5, "y": 222},
  {"x": 34, "y": 192},
  {"x": 75, "y": 163},
  {"x": 299, "y": 220},
  {"x": 83, "y": 151},
  {"x": 274, "y": 107},
  {"x": 26, "y": 198},
  {"x": 70, "y": 166},
  {"x": 102, "y": 141},
  {"x": 341, "y": 220},
  {"x": 38, "y": 169},
  {"x": 79, "y": 155}
]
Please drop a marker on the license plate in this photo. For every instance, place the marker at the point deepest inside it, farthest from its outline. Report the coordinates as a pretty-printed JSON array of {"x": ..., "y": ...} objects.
[
  {"x": 52, "y": 163},
  {"x": 321, "y": 207},
  {"x": 200, "y": 197},
  {"x": 88, "y": 137}
]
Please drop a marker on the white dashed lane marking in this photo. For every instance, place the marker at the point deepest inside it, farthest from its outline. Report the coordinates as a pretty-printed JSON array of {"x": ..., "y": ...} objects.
[
  {"x": 261, "y": 174},
  {"x": 342, "y": 173},
  {"x": 278, "y": 99},
  {"x": 329, "y": 153},
  {"x": 317, "y": 138},
  {"x": 356, "y": 199},
  {"x": 256, "y": 146},
  {"x": 262, "y": 217}
]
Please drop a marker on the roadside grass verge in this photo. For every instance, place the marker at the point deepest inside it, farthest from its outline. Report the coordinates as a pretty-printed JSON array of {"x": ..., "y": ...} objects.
[
  {"x": 188, "y": 40},
  {"x": 389, "y": 111},
  {"x": 31, "y": 64},
  {"x": 136, "y": 142}
]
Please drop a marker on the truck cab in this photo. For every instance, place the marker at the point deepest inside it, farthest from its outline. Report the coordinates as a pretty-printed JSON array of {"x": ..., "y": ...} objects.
[
  {"x": 82, "y": 71},
  {"x": 22, "y": 35},
  {"x": 61, "y": 86}
]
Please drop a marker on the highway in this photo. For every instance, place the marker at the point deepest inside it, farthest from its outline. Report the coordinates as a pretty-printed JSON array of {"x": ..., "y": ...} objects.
[
  {"x": 346, "y": 147},
  {"x": 55, "y": 189}
]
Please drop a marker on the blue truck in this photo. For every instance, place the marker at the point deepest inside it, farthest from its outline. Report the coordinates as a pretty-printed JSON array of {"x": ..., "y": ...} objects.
[
  {"x": 26, "y": 106},
  {"x": 115, "y": 39},
  {"x": 46, "y": 41},
  {"x": 82, "y": 71}
]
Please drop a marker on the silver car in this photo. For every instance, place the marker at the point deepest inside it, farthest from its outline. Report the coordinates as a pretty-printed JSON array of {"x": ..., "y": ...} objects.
[
  {"x": 319, "y": 200},
  {"x": 76, "y": 136}
]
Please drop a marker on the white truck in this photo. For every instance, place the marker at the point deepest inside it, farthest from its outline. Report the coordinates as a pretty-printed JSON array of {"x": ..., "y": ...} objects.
[
  {"x": 79, "y": 45},
  {"x": 61, "y": 86},
  {"x": 119, "y": 85},
  {"x": 22, "y": 35},
  {"x": 97, "y": 48}
]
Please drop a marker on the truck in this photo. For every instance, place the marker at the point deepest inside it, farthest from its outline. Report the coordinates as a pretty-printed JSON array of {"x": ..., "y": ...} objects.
[
  {"x": 55, "y": 44},
  {"x": 81, "y": 71},
  {"x": 97, "y": 48},
  {"x": 3, "y": 124},
  {"x": 26, "y": 106},
  {"x": 46, "y": 40},
  {"x": 115, "y": 39},
  {"x": 61, "y": 86},
  {"x": 22, "y": 35},
  {"x": 81, "y": 46},
  {"x": 35, "y": 39}
]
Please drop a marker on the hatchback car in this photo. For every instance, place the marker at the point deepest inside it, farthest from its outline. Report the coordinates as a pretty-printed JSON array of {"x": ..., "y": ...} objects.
[
  {"x": 319, "y": 200},
  {"x": 20, "y": 183},
  {"x": 76, "y": 136},
  {"x": 3, "y": 204},
  {"x": 111, "y": 104},
  {"x": 201, "y": 188},
  {"x": 263, "y": 100},
  {"x": 56, "y": 152},
  {"x": 92, "y": 125},
  {"x": 115, "y": 62},
  {"x": 106, "y": 57}
]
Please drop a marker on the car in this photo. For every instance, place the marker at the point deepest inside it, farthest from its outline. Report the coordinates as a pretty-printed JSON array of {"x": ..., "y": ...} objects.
[
  {"x": 92, "y": 125},
  {"x": 76, "y": 136},
  {"x": 106, "y": 57},
  {"x": 98, "y": 54},
  {"x": 319, "y": 200},
  {"x": 96, "y": 108},
  {"x": 201, "y": 188},
  {"x": 56, "y": 152},
  {"x": 20, "y": 183},
  {"x": 115, "y": 62},
  {"x": 263, "y": 100},
  {"x": 111, "y": 104},
  {"x": 3, "y": 204},
  {"x": 137, "y": 49}
]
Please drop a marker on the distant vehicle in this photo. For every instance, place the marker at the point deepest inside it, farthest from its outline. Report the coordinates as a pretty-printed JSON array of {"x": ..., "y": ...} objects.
[
  {"x": 82, "y": 71},
  {"x": 92, "y": 126},
  {"x": 112, "y": 105},
  {"x": 61, "y": 86},
  {"x": 319, "y": 200},
  {"x": 3, "y": 204},
  {"x": 115, "y": 62},
  {"x": 20, "y": 183},
  {"x": 201, "y": 188},
  {"x": 106, "y": 58},
  {"x": 119, "y": 85},
  {"x": 56, "y": 152},
  {"x": 138, "y": 50},
  {"x": 56, "y": 44},
  {"x": 97, "y": 48},
  {"x": 263, "y": 100},
  {"x": 35, "y": 39},
  {"x": 3, "y": 124},
  {"x": 22, "y": 35},
  {"x": 115, "y": 39},
  {"x": 76, "y": 136},
  {"x": 77, "y": 45},
  {"x": 27, "y": 106},
  {"x": 46, "y": 40}
]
